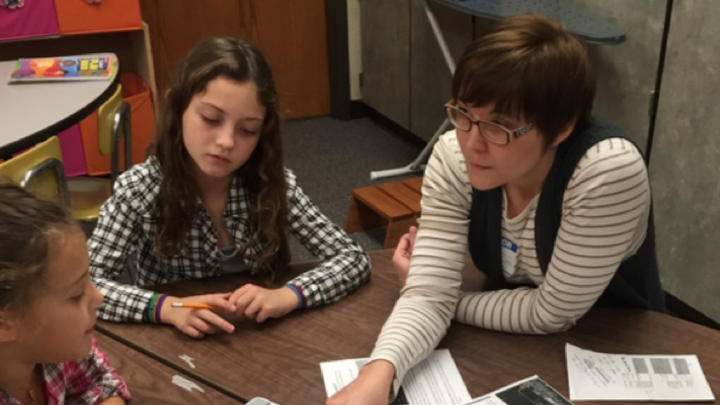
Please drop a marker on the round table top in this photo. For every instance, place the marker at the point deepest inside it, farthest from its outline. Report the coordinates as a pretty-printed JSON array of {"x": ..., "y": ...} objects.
[{"x": 33, "y": 111}]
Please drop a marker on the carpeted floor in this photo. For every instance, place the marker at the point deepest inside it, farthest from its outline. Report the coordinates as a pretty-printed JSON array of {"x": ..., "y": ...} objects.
[{"x": 332, "y": 157}]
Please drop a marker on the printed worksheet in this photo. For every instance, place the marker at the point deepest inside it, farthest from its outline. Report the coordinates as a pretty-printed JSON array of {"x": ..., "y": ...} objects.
[
  {"x": 630, "y": 377},
  {"x": 434, "y": 381}
]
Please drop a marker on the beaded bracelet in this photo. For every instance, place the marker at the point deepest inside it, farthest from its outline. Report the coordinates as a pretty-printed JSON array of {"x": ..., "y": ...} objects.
[
  {"x": 158, "y": 307},
  {"x": 150, "y": 311},
  {"x": 297, "y": 293}
]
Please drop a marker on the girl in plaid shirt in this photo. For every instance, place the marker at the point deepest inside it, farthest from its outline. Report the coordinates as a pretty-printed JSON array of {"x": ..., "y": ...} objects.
[
  {"x": 214, "y": 197},
  {"x": 46, "y": 293}
]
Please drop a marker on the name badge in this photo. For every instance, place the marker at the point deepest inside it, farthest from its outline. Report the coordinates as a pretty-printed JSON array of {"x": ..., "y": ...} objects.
[{"x": 509, "y": 252}]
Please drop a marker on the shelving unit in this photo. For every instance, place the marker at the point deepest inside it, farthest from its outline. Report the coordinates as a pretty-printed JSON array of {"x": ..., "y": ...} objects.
[{"x": 132, "y": 48}]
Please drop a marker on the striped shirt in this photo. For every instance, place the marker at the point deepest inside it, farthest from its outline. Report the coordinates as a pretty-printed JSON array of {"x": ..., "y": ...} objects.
[{"x": 605, "y": 209}]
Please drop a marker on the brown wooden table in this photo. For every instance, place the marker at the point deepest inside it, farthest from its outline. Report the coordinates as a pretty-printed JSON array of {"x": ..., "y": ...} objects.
[
  {"x": 150, "y": 382},
  {"x": 280, "y": 358}
]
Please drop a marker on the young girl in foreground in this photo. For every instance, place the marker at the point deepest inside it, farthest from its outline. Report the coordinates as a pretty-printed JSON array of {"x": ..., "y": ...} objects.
[
  {"x": 214, "y": 197},
  {"x": 47, "y": 309}
]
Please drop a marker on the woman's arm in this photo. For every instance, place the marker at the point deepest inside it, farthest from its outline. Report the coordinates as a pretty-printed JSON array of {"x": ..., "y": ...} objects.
[
  {"x": 605, "y": 214},
  {"x": 345, "y": 266},
  {"x": 427, "y": 302}
]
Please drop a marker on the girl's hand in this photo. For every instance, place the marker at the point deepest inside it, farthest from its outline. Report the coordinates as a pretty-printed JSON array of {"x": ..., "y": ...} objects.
[
  {"x": 259, "y": 304},
  {"x": 403, "y": 251},
  {"x": 371, "y": 387},
  {"x": 194, "y": 322}
]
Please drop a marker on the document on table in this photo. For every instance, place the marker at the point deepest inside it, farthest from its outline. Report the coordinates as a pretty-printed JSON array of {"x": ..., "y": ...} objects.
[
  {"x": 615, "y": 377},
  {"x": 530, "y": 391},
  {"x": 434, "y": 381}
]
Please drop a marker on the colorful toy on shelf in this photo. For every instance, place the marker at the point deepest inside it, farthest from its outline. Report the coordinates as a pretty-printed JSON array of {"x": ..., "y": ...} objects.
[
  {"x": 79, "y": 67},
  {"x": 46, "y": 68}
]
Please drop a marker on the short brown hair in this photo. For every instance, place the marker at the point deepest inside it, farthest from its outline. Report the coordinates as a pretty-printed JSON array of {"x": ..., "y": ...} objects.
[
  {"x": 530, "y": 67},
  {"x": 28, "y": 225}
]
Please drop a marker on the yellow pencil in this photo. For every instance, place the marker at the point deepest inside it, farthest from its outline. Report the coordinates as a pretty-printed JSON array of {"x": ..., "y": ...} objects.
[{"x": 193, "y": 305}]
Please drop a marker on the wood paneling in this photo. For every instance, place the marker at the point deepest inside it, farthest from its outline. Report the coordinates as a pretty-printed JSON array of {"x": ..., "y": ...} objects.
[{"x": 292, "y": 35}]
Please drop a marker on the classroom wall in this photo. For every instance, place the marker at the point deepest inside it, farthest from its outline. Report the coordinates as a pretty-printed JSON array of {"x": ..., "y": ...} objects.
[
  {"x": 684, "y": 165},
  {"x": 627, "y": 72}
]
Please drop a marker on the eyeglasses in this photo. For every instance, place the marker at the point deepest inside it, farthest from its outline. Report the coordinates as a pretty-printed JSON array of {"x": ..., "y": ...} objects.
[{"x": 494, "y": 133}]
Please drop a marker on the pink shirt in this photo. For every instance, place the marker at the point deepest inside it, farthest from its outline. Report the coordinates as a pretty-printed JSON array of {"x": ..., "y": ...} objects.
[{"x": 84, "y": 382}]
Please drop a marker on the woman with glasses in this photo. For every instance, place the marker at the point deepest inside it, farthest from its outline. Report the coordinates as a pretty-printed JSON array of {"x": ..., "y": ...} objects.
[{"x": 552, "y": 204}]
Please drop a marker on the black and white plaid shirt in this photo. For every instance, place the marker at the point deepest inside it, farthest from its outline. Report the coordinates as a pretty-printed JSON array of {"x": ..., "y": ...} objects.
[{"x": 125, "y": 234}]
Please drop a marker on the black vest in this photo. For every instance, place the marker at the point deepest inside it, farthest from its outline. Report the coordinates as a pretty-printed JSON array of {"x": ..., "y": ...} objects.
[{"x": 637, "y": 281}]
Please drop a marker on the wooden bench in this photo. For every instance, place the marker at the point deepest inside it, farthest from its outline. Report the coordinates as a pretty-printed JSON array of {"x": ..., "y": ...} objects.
[{"x": 395, "y": 205}]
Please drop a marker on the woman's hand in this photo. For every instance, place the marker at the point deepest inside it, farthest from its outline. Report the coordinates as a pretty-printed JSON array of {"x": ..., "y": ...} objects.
[
  {"x": 371, "y": 387},
  {"x": 259, "y": 304},
  {"x": 403, "y": 251},
  {"x": 194, "y": 322}
]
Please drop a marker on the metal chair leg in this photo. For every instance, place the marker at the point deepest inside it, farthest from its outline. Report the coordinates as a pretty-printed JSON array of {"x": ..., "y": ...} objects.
[{"x": 121, "y": 131}]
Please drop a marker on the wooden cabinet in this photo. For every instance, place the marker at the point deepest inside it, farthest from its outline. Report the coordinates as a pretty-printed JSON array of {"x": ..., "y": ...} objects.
[{"x": 291, "y": 35}]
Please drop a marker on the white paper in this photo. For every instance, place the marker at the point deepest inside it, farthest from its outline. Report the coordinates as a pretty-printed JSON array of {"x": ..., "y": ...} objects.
[
  {"x": 434, "y": 381},
  {"x": 602, "y": 376},
  {"x": 260, "y": 401},
  {"x": 530, "y": 391}
]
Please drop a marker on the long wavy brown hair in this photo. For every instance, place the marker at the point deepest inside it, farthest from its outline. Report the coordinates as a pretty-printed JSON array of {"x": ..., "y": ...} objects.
[{"x": 264, "y": 172}]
